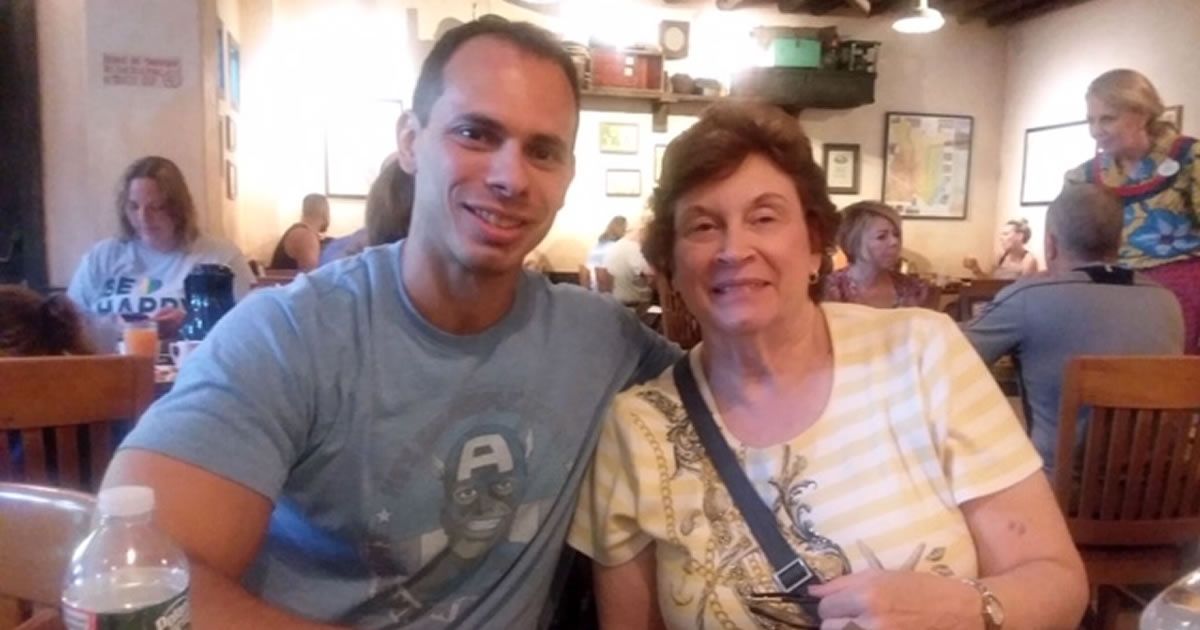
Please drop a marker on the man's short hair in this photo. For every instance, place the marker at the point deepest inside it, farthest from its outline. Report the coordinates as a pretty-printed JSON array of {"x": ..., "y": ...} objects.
[
  {"x": 314, "y": 206},
  {"x": 1087, "y": 221},
  {"x": 527, "y": 37}
]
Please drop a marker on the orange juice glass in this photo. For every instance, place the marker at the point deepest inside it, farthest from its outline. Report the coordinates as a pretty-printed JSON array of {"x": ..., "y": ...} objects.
[{"x": 141, "y": 338}]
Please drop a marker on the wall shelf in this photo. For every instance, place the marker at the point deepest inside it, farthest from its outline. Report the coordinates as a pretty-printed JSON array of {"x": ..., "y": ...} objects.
[{"x": 658, "y": 103}]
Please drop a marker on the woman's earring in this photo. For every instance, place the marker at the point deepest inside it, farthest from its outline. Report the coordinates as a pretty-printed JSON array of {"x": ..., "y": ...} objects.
[{"x": 813, "y": 278}]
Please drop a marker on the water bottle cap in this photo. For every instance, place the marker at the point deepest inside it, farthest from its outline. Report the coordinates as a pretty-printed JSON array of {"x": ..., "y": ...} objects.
[{"x": 126, "y": 501}]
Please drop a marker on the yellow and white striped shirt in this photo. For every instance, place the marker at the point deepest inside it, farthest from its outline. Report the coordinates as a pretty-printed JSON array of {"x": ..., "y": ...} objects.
[{"x": 915, "y": 427}]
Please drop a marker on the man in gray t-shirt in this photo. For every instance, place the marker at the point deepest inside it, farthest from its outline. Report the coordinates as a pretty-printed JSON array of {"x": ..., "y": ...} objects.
[
  {"x": 1084, "y": 304},
  {"x": 396, "y": 439}
]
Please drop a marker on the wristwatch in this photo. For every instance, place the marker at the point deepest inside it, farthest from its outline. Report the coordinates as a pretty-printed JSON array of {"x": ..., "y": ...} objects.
[{"x": 993, "y": 612}]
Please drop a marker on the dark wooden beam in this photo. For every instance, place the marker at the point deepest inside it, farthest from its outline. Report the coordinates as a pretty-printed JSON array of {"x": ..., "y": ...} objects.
[
  {"x": 965, "y": 9},
  {"x": 815, "y": 7},
  {"x": 879, "y": 7},
  {"x": 1033, "y": 11},
  {"x": 999, "y": 8}
]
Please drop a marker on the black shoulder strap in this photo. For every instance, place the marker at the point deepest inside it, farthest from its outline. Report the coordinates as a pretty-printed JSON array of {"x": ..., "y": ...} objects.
[{"x": 790, "y": 570}]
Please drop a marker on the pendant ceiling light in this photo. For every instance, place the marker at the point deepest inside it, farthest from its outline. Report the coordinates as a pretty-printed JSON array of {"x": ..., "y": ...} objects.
[{"x": 920, "y": 19}]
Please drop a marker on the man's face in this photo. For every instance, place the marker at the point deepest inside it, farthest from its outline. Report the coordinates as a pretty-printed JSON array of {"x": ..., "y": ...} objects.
[{"x": 493, "y": 162}]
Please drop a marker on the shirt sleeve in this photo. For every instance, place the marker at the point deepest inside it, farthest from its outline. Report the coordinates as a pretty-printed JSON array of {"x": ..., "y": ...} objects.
[
  {"x": 982, "y": 447},
  {"x": 242, "y": 405},
  {"x": 654, "y": 352},
  {"x": 996, "y": 331},
  {"x": 84, "y": 288},
  {"x": 605, "y": 527}
]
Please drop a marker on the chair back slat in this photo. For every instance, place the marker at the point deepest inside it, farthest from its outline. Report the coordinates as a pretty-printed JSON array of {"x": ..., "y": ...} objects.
[
  {"x": 41, "y": 528},
  {"x": 1093, "y": 478},
  {"x": 1116, "y": 460},
  {"x": 1187, "y": 505},
  {"x": 59, "y": 413},
  {"x": 1176, "y": 474},
  {"x": 1139, "y": 479},
  {"x": 1145, "y": 422},
  {"x": 100, "y": 448},
  {"x": 67, "y": 458},
  {"x": 1160, "y": 460},
  {"x": 33, "y": 457}
]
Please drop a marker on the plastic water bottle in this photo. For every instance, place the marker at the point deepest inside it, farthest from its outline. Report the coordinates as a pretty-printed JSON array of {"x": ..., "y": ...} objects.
[
  {"x": 127, "y": 575},
  {"x": 1177, "y": 608}
]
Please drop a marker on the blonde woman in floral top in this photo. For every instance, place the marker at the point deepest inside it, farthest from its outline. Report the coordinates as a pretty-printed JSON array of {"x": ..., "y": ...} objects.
[
  {"x": 1156, "y": 172},
  {"x": 870, "y": 236}
]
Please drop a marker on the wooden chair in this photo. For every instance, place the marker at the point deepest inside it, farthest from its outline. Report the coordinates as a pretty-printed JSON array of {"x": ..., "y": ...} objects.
[
  {"x": 41, "y": 528},
  {"x": 604, "y": 280},
  {"x": 678, "y": 325},
  {"x": 1133, "y": 498},
  {"x": 61, "y": 411},
  {"x": 977, "y": 291}
]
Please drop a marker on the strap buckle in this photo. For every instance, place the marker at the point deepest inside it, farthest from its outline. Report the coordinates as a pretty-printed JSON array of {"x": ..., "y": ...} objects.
[{"x": 794, "y": 575}]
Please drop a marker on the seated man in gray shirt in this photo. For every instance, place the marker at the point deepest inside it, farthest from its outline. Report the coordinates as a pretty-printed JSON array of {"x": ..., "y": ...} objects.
[{"x": 1084, "y": 304}]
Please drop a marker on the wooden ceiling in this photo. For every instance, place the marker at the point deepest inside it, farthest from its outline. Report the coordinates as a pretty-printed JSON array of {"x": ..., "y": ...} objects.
[{"x": 993, "y": 12}]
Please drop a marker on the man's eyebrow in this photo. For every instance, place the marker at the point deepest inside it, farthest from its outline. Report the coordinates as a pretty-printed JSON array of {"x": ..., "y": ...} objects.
[
  {"x": 548, "y": 140},
  {"x": 480, "y": 120}
]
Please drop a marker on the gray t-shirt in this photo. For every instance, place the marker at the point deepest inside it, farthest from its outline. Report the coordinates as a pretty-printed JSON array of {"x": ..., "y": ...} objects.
[
  {"x": 119, "y": 276},
  {"x": 1046, "y": 319},
  {"x": 420, "y": 479}
]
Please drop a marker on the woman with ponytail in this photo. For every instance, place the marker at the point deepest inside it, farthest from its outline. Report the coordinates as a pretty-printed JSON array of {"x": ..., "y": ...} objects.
[
  {"x": 1014, "y": 260},
  {"x": 1156, "y": 172},
  {"x": 31, "y": 325}
]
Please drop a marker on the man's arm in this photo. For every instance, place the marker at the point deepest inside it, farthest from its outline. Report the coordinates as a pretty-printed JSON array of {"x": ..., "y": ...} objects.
[
  {"x": 220, "y": 524},
  {"x": 997, "y": 330},
  {"x": 304, "y": 246}
]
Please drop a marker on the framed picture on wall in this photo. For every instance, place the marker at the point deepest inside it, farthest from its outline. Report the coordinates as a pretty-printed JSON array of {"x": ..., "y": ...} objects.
[
  {"x": 220, "y": 61},
  {"x": 619, "y": 182},
  {"x": 618, "y": 137},
  {"x": 927, "y": 164},
  {"x": 359, "y": 136},
  {"x": 230, "y": 134},
  {"x": 235, "y": 74},
  {"x": 231, "y": 183},
  {"x": 841, "y": 164},
  {"x": 1050, "y": 152},
  {"x": 1174, "y": 115}
]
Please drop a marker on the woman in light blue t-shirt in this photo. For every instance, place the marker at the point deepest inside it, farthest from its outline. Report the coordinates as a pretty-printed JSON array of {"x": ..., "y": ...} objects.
[{"x": 141, "y": 271}]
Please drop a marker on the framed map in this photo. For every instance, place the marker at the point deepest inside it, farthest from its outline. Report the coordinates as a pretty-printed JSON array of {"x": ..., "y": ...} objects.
[
  {"x": 927, "y": 164},
  {"x": 1049, "y": 153}
]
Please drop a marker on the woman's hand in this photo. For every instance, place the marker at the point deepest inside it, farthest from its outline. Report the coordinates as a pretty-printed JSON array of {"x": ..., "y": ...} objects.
[
  {"x": 169, "y": 320},
  {"x": 972, "y": 264},
  {"x": 898, "y": 600}
]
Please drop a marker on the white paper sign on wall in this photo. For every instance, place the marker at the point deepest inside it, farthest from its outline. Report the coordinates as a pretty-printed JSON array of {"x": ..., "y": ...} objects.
[{"x": 142, "y": 71}]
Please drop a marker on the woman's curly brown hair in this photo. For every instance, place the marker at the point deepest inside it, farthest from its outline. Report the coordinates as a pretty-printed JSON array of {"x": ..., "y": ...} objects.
[{"x": 712, "y": 149}]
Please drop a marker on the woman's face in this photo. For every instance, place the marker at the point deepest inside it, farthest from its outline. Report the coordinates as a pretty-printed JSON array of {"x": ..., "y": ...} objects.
[
  {"x": 880, "y": 243},
  {"x": 742, "y": 255},
  {"x": 1010, "y": 238},
  {"x": 147, "y": 212},
  {"x": 1115, "y": 130}
]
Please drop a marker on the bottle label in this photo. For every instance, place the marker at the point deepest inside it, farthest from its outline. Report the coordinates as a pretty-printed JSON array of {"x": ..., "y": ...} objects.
[{"x": 173, "y": 614}]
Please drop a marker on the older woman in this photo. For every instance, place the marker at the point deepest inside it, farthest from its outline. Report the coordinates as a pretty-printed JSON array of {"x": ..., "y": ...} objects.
[
  {"x": 1156, "y": 172},
  {"x": 142, "y": 270},
  {"x": 870, "y": 236},
  {"x": 876, "y": 439},
  {"x": 1014, "y": 260}
]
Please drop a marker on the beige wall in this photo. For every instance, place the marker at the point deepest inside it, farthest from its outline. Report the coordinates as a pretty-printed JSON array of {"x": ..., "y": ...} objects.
[
  {"x": 92, "y": 131},
  {"x": 327, "y": 54},
  {"x": 1051, "y": 61}
]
